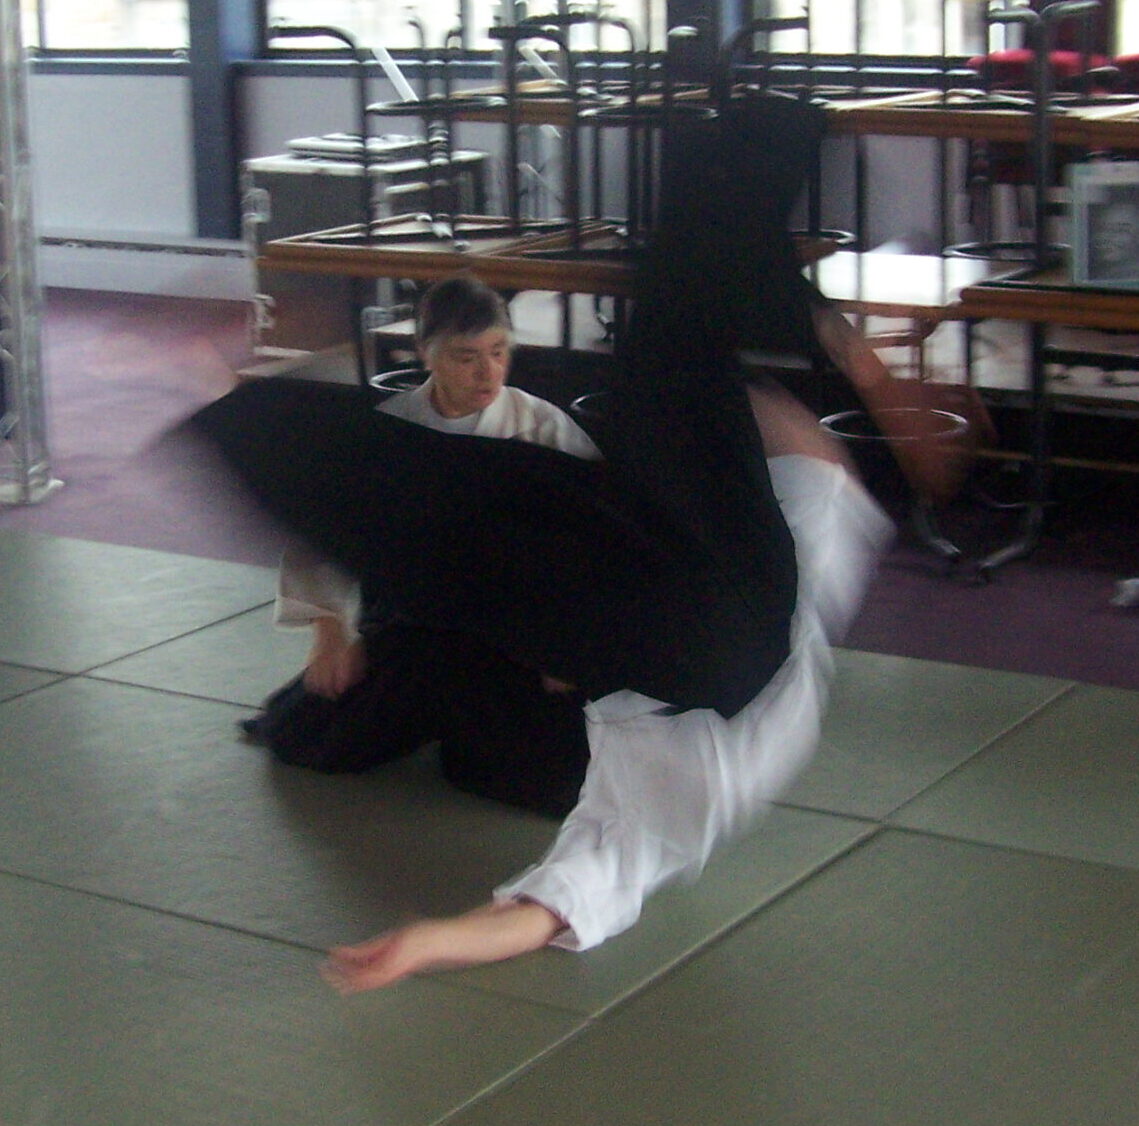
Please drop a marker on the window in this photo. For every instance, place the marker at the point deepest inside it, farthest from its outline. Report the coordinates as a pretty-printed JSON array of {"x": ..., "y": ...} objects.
[
  {"x": 373, "y": 24},
  {"x": 376, "y": 23},
  {"x": 889, "y": 27},
  {"x": 915, "y": 27},
  {"x": 106, "y": 25}
]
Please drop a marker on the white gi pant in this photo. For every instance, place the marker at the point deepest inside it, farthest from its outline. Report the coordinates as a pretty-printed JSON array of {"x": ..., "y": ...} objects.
[{"x": 663, "y": 790}]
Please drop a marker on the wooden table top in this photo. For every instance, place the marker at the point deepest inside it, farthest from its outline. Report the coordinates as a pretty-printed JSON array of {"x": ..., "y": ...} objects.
[
  {"x": 1049, "y": 297},
  {"x": 1107, "y": 121},
  {"x": 925, "y": 287},
  {"x": 539, "y": 260},
  {"x": 488, "y": 249}
]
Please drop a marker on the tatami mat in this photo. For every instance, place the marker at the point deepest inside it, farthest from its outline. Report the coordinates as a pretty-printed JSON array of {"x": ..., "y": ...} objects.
[
  {"x": 71, "y": 604},
  {"x": 241, "y": 659},
  {"x": 936, "y": 926},
  {"x": 896, "y": 725},
  {"x": 152, "y": 797},
  {"x": 15, "y": 681},
  {"x": 117, "y": 1015},
  {"x": 790, "y": 847},
  {"x": 916, "y": 981},
  {"x": 1065, "y": 782}
]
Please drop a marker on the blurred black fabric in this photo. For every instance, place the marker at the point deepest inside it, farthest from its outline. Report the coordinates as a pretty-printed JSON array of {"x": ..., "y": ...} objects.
[{"x": 668, "y": 569}]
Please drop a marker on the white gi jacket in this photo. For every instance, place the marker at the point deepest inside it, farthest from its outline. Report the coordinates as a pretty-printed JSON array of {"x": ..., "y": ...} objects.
[
  {"x": 310, "y": 587},
  {"x": 663, "y": 790}
]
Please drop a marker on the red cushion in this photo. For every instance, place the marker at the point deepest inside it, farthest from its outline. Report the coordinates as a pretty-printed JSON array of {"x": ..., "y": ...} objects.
[{"x": 1013, "y": 67}]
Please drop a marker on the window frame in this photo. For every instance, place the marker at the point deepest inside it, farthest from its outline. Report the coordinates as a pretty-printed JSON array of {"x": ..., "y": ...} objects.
[
  {"x": 45, "y": 51},
  {"x": 720, "y": 14}
]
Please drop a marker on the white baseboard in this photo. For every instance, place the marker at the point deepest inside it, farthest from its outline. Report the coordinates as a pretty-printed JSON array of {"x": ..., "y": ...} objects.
[{"x": 194, "y": 268}]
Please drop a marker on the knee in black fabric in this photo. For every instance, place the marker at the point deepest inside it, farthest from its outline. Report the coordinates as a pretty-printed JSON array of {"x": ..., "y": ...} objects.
[
  {"x": 380, "y": 719},
  {"x": 329, "y": 736},
  {"x": 541, "y": 784},
  {"x": 535, "y": 757},
  {"x": 291, "y": 721}
]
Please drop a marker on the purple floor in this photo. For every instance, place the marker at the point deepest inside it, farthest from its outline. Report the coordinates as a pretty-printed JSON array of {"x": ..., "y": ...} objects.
[{"x": 121, "y": 368}]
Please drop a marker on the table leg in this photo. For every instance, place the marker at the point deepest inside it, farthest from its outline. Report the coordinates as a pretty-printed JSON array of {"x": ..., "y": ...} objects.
[
  {"x": 1039, "y": 460},
  {"x": 929, "y": 533}
]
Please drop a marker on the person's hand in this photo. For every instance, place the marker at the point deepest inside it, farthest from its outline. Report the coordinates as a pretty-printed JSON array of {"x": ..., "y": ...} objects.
[
  {"x": 933, "y": 461},
  {"x": 488, "y": 934},
  {"x": 337, "y": 660},
  {"x": 934, "y": 464}
]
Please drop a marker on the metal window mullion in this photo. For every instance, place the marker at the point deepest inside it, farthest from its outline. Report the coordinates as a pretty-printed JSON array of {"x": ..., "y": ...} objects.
[{"x": 26, "y": 473}]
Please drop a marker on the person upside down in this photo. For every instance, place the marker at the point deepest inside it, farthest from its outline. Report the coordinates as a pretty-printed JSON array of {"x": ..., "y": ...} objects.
[{"x": 631, "y": 632}]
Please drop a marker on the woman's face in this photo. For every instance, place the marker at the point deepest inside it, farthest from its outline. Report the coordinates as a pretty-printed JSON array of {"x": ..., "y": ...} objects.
[{"x": 468, "y": 372}]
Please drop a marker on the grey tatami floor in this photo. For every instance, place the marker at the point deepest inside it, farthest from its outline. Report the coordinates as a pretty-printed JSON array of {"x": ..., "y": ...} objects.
[{"x": 939, "y": 927}]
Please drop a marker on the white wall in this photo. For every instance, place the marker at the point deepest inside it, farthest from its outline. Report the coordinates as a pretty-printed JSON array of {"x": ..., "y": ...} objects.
[
  {"x": 112, "y": 154},
  {"x": 114, "y": 189},
  {"x": 902, "y": 198}
]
